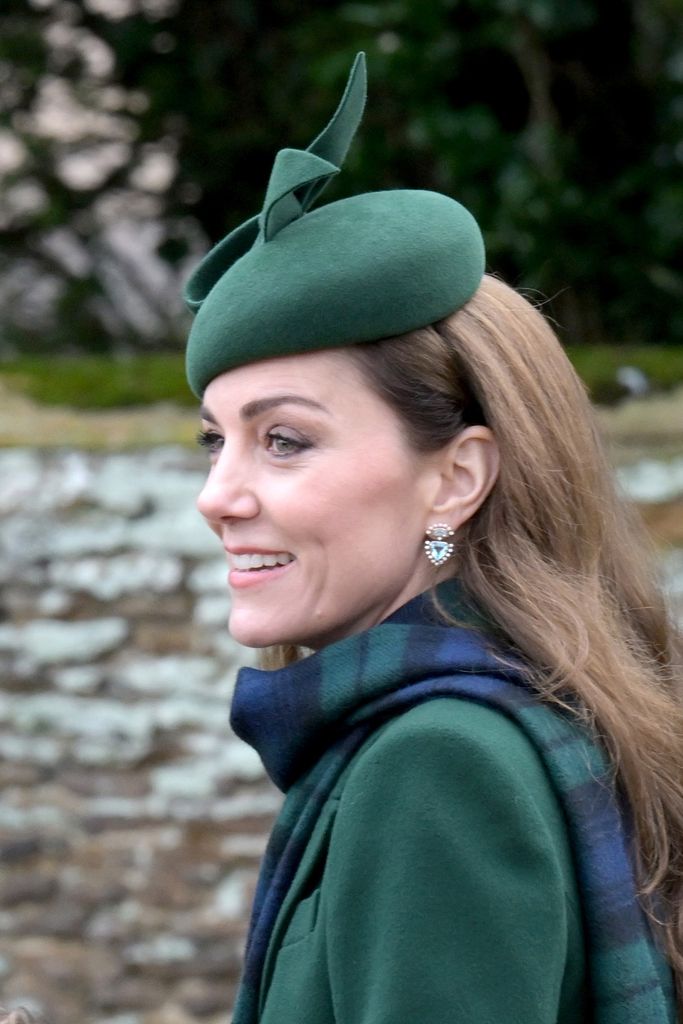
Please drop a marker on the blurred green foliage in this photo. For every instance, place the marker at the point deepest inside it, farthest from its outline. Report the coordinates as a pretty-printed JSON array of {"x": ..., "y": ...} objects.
[
  {"x": 101, "y": 382},
  {"x": 558, "y": 125},
  {"x": 597, "y": 365}
]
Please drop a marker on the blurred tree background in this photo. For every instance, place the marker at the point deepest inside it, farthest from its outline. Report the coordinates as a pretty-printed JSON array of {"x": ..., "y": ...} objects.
[{"x": 134, "y": 133}]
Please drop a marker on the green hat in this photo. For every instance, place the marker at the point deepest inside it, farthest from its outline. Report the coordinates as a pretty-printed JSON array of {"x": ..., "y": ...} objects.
[{"x": 363, "y": 268}]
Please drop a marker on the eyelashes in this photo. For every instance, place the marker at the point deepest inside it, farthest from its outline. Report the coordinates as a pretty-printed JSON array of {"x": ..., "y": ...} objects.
[{"x": 209, "y": 440}]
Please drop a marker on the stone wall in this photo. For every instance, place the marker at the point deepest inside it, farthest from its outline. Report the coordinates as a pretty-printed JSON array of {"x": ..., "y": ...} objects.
[{"x": 131, "y": 820}]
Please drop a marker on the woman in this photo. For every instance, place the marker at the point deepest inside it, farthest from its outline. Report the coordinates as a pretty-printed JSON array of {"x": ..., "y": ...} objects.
[{"x": 471, "y": 703}]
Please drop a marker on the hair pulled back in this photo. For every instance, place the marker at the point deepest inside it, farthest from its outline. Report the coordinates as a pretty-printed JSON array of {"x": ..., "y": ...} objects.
[{"x": 555, "y": 558}]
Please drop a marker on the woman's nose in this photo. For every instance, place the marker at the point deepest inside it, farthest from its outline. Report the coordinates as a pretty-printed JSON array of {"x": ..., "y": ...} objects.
[{"x": 227, "y": 495}]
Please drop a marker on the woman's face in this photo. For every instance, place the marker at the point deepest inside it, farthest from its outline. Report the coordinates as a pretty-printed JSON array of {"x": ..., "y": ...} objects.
[{"x": 318, "y": 500}]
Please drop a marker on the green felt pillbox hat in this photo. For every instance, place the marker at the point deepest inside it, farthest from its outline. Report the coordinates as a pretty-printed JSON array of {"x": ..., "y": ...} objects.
[{"x": 297, "y": 280}]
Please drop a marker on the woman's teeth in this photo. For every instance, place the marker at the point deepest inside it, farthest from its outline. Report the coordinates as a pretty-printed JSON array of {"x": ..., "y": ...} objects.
[{"x": 257, "y": 561}]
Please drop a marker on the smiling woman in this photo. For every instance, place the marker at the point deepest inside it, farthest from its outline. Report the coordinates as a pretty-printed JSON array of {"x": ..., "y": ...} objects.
[
  {"x": 471, "y": 701},
  {"x": 317, "y": 486}
]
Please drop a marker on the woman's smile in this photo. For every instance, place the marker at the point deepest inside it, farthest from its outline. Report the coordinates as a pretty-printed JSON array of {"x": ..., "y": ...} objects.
[
  {"x": 258, "y": 560},
  {"x": 248, "y": 569}
]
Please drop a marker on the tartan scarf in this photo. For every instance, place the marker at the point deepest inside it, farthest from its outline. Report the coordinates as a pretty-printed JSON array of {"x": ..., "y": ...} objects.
[{"x": 308, "y": 720}]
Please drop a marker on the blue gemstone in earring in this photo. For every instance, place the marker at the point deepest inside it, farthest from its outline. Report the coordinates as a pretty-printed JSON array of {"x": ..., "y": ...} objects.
[{"x": 438, "y": 549}]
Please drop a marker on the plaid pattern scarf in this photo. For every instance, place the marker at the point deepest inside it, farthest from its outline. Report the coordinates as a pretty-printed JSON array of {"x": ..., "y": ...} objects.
[{"x": 308, "y": 720}]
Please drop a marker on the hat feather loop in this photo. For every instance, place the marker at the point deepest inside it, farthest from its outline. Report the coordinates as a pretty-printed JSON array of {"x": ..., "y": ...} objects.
[
  {"x": 299, "y": 176},
  {"x": 293, "y": 170}
]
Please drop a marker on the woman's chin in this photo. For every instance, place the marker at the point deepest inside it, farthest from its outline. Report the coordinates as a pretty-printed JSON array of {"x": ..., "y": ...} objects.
[{"x": 249, "y": 633}]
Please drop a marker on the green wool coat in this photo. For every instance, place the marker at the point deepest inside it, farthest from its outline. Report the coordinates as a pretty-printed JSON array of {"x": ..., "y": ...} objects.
[{"x": 437, "y": 887}]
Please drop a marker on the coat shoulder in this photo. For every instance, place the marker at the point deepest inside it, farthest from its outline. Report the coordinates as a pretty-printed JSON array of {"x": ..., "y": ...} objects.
[{"x": 455, "y": 738}]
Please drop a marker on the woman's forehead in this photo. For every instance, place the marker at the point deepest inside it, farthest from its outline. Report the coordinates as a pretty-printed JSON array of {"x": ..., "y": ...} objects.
[{"x": 323, "y": 372}]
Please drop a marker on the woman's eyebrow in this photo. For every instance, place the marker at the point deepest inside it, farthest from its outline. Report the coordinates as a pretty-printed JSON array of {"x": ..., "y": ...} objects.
[
  {"x": 204, "y": 414},
  {"x": 259, "y": 405}
]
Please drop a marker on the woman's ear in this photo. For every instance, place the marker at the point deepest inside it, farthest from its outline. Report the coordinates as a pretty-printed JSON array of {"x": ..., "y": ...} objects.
[{"x": 468, "y": 470}]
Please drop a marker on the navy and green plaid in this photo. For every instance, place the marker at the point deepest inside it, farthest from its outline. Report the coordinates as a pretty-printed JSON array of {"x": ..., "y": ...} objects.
[{"x": 308, "y": 720}]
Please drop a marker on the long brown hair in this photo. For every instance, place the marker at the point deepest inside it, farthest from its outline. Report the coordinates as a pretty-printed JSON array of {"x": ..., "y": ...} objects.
[{"x": 554, "y": 558}]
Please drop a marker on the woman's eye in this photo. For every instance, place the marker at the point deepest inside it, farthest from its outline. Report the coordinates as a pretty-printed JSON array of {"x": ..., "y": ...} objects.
[
  {"x": 280, "y": 444},
  {"x": 210, "y": 440}
]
